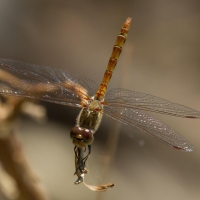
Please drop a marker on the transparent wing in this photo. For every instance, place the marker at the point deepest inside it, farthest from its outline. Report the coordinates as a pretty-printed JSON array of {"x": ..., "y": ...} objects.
[
  {"x": 125, "y": 98},
  {"x": 50, "y": 74},
  {"x": 46, "y": 83},
  {"x": 149, "y": 125}
]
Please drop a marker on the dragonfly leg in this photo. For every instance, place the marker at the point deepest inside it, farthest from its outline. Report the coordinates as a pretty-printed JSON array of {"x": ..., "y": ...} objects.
[
  {"x": 80, "y": 162},
  {"x": 86, "y": 157}
]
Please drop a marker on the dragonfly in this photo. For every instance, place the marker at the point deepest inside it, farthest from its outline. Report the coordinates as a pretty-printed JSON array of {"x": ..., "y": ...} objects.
[{"x": 124, "y": 106}]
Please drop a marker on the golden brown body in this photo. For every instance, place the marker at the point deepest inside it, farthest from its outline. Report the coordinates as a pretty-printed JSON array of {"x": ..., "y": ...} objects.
[
  {"x": 117, "y": 49},
  {"x": 90, "y": 116}
]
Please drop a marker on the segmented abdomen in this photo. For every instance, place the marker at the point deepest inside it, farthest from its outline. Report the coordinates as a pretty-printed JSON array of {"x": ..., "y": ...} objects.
[{"x": 117, "y": 49}]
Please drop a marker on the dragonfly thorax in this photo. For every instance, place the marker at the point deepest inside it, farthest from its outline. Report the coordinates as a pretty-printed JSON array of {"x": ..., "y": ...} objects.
[
  {"x": 94, "y": 106},
  {"x": 88, "y": 122}
]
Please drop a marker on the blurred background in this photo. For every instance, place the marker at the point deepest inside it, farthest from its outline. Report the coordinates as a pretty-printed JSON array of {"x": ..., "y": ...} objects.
[{"x": 161, "y": 57}]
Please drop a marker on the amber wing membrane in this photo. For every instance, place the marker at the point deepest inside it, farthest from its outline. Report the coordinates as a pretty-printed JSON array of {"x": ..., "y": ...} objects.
[
  {"x": 41, "y": 91},
  {"x": 117, "y": 49},
  {"x": 45, "y": 83}
]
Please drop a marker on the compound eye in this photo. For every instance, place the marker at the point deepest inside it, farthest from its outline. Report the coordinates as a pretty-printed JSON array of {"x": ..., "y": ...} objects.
[{"x": 81, "y": 137}]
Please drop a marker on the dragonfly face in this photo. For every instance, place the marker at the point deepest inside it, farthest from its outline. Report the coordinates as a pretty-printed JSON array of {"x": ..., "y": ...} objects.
[
  {"x": 88, "y": 122},
  {"x": 81, "y": 137}
]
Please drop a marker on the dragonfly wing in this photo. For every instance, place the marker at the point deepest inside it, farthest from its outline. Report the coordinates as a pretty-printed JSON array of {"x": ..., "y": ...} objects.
[
  {"x": 149, "y": 125},
  {"x": 43, "y": 91},
  {"x": 45, "y": 73},
  {"x": 125, "y": 98}
]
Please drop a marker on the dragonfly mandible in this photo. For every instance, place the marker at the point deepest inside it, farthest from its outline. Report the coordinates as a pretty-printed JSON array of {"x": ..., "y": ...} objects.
[{"x": 125, "y": 106}]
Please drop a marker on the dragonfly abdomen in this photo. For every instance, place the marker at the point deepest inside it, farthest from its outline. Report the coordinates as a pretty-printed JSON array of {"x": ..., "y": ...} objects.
[{"x": 117, "y": 49}]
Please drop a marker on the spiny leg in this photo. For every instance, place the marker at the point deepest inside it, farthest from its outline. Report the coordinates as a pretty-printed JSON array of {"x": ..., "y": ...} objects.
[
  {"x": 80, "y": 160},
  {"x": 86, "y": 157}
]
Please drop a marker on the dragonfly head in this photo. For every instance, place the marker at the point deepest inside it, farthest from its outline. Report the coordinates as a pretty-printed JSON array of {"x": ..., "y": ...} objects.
[{"x": 81, "y": 137}]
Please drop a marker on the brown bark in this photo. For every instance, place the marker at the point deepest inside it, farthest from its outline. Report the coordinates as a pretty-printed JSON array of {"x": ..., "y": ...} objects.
[{"x": 17, "y": 166}]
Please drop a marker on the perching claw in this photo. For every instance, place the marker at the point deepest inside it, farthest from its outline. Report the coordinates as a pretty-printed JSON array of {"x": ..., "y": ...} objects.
[{"x": 80, "y": 162}]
